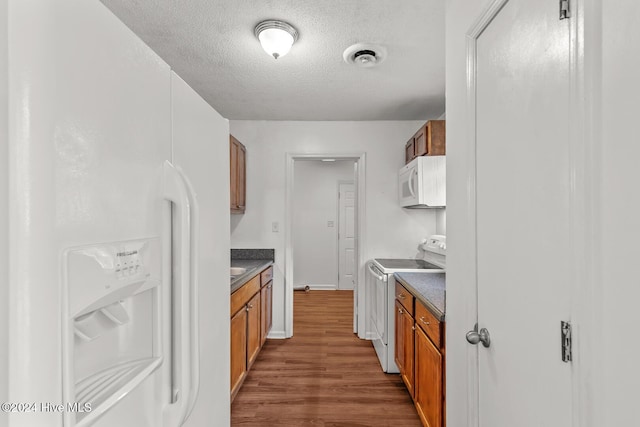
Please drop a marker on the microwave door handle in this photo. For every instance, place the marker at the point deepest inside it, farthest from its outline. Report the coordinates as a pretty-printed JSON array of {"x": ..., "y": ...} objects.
[{"x": 411, "y": 190}]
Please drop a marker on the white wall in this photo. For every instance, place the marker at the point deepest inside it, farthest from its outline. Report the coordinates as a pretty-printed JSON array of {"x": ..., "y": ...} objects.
[
  {"x": 315, "y": 203},
  {"x": 620, "y": 209},
  {"x": 390, "y": 231},
  {"x": 4, "y": 210},
  {"x": 460, "y": 15}
]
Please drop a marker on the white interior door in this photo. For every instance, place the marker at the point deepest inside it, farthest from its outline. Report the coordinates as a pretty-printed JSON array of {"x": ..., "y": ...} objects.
[
  {"x": 346, "y": 236},
  {"x": 523, "y": 190}
]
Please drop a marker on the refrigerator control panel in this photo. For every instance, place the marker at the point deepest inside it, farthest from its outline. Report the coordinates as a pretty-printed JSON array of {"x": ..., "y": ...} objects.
[{"x": 100, "y": 275}]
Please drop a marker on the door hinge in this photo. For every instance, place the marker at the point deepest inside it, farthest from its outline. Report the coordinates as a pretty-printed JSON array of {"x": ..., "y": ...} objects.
[
  {"x": 564, "y": 9},
  {"x": 565, "y": 331}
]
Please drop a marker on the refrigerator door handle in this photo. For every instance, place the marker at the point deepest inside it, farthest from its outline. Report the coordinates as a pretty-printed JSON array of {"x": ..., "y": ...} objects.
[
  {"x": 185, "y": 360},
  {"x": 194, "y": 300}
]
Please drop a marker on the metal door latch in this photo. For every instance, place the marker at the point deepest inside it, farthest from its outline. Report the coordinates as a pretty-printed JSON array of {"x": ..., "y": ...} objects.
[
  {"x": 565, "y": 331},
  {"x": 564, "y": 9}
]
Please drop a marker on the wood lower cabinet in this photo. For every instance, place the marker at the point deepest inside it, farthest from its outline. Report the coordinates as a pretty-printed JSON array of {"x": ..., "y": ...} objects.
[
  {"x": 428, "y": 394},
  {"x": 250, "y": 323},
  {"x": 238, "y": 349},
  {"x": 238, "y": 175},
  {"x": 254, "y": 329},
  {"x": 266, "y": 314},
  {"x": 404, "y": 345},
  {"x": 419, "y": 354}
]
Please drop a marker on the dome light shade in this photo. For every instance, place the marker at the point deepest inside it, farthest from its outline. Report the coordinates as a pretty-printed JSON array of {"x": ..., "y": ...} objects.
[{"x": 276, "y": 37}]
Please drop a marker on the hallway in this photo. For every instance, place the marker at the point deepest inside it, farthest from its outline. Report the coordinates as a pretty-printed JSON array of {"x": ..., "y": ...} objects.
[{"x": 323, "y": 376}]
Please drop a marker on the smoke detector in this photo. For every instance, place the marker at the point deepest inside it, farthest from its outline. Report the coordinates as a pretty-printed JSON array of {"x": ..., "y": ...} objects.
[{"x": 364, "y": 55}]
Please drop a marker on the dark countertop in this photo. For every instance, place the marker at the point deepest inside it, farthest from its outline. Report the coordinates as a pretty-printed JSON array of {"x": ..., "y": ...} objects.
[
  {"x": 253, "y": 266},
  {"x": 428, "y": 288}
]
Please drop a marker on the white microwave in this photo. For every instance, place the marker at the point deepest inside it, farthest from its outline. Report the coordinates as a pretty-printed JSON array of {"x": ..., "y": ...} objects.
[{"x": 422, "y": 183}]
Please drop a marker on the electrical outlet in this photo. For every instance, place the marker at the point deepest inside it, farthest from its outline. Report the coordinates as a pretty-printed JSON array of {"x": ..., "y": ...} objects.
[
  {"x": 275, "y": 227},
  {"x": 329, "y": 223}
]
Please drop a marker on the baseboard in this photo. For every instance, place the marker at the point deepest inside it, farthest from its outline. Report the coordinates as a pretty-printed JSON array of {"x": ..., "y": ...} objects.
[
  {"x": 276, "y": 335},
  {"x": 317, "y": 287}
]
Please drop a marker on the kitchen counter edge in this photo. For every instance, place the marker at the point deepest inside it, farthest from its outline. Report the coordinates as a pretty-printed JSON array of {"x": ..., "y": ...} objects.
[
  {"x": 253, "y": 266},
  {"x": 437, "y": 312}
]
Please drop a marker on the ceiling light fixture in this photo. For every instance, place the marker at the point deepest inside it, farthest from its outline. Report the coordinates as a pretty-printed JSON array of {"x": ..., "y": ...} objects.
[{"x": 276, "y": 37}]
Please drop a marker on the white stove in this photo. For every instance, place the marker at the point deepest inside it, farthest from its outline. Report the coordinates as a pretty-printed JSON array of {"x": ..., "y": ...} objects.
[{"x": 381, "y": 285}]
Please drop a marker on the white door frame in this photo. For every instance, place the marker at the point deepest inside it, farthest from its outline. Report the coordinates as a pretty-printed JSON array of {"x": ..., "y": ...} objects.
[
  {"x": 585, "y": 234},
  {"x": 360, "y": 165}
]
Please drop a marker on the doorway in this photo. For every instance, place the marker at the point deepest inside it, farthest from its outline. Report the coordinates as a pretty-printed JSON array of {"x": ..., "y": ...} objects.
[{"x": 324, "y": 200}]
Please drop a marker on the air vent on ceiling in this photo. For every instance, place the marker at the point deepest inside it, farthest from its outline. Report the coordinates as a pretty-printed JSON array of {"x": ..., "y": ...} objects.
[{"x": 364, "y": 55}]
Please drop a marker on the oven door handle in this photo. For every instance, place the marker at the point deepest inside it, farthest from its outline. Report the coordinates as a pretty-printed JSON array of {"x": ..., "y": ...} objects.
[{"x": 377, "y": 274}]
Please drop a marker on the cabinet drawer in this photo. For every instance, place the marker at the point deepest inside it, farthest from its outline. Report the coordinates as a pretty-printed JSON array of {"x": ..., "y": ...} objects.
[
  {"x": 240, "y": 297},
  {"x": 405, "y": 298},
  {"x": 266, "y": 276},
  {"x": 429, "y": 324}
]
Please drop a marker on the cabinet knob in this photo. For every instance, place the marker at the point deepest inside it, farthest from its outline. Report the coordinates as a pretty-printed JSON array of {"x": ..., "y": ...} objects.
[
  {"x": 401, "y": 296},
  {"x": 400, "y": 310},
  {"x": 413, "y": 328},
  {"x": 424, "y": 321},
  {"x": 249, "y": 306}
]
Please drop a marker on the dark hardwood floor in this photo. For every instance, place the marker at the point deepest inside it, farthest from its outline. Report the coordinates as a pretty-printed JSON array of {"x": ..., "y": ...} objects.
[{"x": 323, "y": 376}]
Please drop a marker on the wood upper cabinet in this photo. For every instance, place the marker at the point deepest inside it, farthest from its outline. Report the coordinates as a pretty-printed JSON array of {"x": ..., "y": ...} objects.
[
  {"x": 430, "y": 140},
  {"x": 238, "y": 349},
  {"x": 429, "y": 396},
  {"x": 409, "y": 150},
  {"x": 237, "y": 159}
]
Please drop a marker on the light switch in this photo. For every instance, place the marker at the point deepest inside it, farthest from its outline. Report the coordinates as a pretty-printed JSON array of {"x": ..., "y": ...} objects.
[
  {"x": 329, "y": 223},
  {"x": 275, "y": 227}
]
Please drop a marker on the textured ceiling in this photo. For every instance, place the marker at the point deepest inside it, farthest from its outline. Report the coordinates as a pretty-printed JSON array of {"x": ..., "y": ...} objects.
[{"x": 210, "y": 44}]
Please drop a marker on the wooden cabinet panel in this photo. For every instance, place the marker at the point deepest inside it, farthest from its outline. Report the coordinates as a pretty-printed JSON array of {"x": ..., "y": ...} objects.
[
  {"x": 253, "y": 329},
  {"x": 238, "y": 350},
  {"x": 266, "y": 276},
  {"x": 429, "y": 324},
  {"x": 405, "y": 297},
  {"x": 429, "y": 397},
  {"x": 408, "y": 351},
  {"x": 266, "y": 316},
  {"x": 238, "y": 177},
  {"x": 421, "y": 142},
  {"x": 242, "y": 177},
  {"x": 240, "y": 297},
  {"x": 399, "y": 337},
  {"x": 233, "y": 169},
  {"x": 409, "y": 151}
]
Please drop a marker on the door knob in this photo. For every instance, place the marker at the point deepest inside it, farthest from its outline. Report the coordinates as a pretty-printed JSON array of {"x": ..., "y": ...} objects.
[{"x": 475, "y": 336}]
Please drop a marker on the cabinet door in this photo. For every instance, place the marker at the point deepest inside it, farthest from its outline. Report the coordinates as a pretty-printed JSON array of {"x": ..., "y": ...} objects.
[
  {"x": 233, "y": 167},
  {"x": 253, "y": 328},
  {"x": 421, "y": 142},
  {"x": 266, "y": 298},
  {"x": 238, "y": 349},
  {"x": 242, "y": 177},
  {"x": 399, "y": 337},
  {"x": 409, "y": 151},
  {"x": 428, "y": 381},
  {"x": 408, "y": 351}
]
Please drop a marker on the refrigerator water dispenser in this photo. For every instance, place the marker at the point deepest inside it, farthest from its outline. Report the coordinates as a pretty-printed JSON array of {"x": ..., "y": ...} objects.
[{"x": 111, "y": 342}]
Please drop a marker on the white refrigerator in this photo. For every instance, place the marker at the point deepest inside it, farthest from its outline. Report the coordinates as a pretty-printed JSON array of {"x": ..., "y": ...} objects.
[{"x": 114, "y": 204}]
